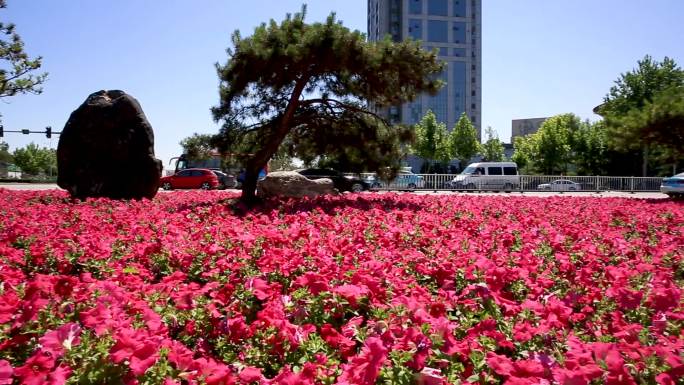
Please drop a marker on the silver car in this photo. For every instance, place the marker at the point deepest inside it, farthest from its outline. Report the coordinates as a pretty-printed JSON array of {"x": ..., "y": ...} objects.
[
  {"x": 560, "y": 185},
  {"x": 673, "y": 186}
]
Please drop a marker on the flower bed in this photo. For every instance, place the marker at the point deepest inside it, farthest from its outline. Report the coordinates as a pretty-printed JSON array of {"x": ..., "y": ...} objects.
[{"x": 358, "y": 289}]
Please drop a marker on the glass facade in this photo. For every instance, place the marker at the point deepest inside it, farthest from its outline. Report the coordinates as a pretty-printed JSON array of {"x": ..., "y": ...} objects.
[
  {"x": 458, "y": 8},
  {"x": 415, "y": 111},
  {"x": 416, "y": 7},
  {"x": 448, "y": 29},
  {"x": 438, "y": 7},
  {"x": 439, "y": 102},
  {"x": 458, "y": 73},
  {"x": 458, "y": 30},
  {"x": 438, "y": 31},
  {"x": 416, "y": 29}
]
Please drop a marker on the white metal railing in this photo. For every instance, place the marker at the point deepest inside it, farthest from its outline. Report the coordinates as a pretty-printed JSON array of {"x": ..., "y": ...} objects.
[{"x": 449, "y": 182}]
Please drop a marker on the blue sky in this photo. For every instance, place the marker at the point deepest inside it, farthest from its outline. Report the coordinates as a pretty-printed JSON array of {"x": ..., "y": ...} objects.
[{"x": 540, "y": 57}]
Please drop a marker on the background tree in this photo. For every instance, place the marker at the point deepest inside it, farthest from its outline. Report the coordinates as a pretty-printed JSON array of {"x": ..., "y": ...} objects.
[
  {"x": 524, "y": 152},
  {"x": 492, "y": 149},
  {"x": 553, "y": 150},
  {"x": 589, "y": 146},
  {"x": 463, "y": 141},
  {"x": 561, "y": 142},
  {"x": 16, "y": 68},
  {"x": 626, "y": 106},
  {"x": 659, "y": 124},
  {"x": 35, "y": 160},
  {"x": 311, "y": 84},
  {"x": 198, "y": 146},
  {"x": 432, "y": 141},
  {"x": 5, "y": 155}
]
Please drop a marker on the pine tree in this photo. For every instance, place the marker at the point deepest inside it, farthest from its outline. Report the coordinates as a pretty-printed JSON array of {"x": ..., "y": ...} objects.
[{"x": 310, "y": 86}]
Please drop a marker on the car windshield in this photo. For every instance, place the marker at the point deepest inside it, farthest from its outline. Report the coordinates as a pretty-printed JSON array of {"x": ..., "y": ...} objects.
[{"x": 469, "y": 170}]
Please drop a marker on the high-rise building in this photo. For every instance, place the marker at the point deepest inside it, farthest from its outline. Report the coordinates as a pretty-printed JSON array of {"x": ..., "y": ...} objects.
[{"x": 454, "y": 28}]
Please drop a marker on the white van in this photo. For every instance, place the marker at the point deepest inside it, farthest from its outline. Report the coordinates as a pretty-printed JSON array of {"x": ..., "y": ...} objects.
[{"x": 488, "y": 176}]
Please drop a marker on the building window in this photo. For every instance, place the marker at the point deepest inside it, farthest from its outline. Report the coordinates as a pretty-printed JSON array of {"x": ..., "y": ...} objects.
[
  {"x": 416, "y": 29},
  {"x": 458, "y": 30},
  {"x": 472, "y": 80},
  {"x": 438, "y": 8},
  {"x": 416, "y": 7},
  {"x": 472, "y": 119},
  {"x": 473, "y": 67},
  {"x": 437, "y": 31},
  {"x": 473, "y": 106},
  {"x": 460, "y": 52},
  {"x": 458, "y": 8},
  {"x": 472, "y": 93}
]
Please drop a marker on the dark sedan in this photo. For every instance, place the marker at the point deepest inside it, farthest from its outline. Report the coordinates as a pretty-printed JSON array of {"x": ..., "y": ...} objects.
[{"x": 340, "y": 181}]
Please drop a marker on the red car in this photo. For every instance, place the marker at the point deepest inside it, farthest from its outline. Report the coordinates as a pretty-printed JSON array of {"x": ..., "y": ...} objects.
[{"x": 191, "y": 178}]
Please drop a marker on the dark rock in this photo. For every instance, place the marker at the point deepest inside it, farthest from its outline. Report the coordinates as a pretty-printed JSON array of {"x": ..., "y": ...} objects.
[{"x": 107, "y": 150}]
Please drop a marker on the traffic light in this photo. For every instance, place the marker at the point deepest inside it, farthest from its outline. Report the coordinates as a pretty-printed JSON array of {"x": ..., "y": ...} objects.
[
  {"x": 2, "y": 131},
  {"x": 48, "y": 132}
]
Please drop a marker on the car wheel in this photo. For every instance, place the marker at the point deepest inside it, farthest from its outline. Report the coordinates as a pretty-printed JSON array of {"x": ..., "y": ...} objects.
[
  {"x": 376, "y": 185},
  {"x": 356, "y": 187},
  {"x": 508, "y": 187},
  {"x": 411, "y": 186},
  {"x": 205, "y": 186},
  {"x": 167, "y": 186}
]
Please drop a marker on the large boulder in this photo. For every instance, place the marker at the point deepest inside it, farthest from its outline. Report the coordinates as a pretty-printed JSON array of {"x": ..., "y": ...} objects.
[
  {"x": 294, "y": 185},
  {"x": 107, "y": 150}
]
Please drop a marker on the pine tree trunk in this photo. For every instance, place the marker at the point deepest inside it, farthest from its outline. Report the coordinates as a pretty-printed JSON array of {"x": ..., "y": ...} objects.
[
  {"x": 270, "y": 146},
  {"x": 644, "y": 165},
  {"x": 249, "y": 185}
]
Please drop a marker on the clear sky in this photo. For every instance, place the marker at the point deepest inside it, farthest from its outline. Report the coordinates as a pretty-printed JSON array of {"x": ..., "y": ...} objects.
[{"x": 540, "y": 57}]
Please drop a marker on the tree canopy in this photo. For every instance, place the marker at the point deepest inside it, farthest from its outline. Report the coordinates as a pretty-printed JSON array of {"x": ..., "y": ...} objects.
[
  {"x": 35, "y": 160},
  {"x": 563, "y": 144},
  {"x": 643, "y": 110},
  {"x": 312, "y": 84},
  {"x": 492, "y": 149},
  {"x": 432, "y": 140},
  {"x": 198, "y": 146},
  {"x": 463, "y": 139},
  {"x": 17, "y": 69}
]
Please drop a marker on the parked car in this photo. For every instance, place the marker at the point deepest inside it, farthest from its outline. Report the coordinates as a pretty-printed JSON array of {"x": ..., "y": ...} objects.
[
  {"x": 405, "y": 180},
  {"x": 488, "y": 176},
  {"x": 560, "y": 185},
  {"x": 340, "y": 181},
  {"x": 191, "y": 178},
  {"x": 225, "y": 180},
  {"x": 673, "y": 186}
]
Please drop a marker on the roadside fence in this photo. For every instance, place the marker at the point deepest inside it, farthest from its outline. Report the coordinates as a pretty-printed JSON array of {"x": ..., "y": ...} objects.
[{"x": 511, "y": 183}]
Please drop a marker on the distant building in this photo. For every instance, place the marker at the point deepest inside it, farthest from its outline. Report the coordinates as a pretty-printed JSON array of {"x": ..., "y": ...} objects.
[
  {"x": 522, "y": 127},
  {"x": 454, "y": 29}
]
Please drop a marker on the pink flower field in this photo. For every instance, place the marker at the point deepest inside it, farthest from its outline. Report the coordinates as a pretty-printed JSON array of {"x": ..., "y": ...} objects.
[{"x": 356, "y": 289}]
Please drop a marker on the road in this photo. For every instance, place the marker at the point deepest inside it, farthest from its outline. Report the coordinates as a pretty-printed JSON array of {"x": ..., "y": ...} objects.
[{"x": 605, "y": 194}]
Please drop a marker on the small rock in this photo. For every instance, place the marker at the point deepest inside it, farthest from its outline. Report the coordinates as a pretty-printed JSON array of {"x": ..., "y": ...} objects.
[{"x": 293, "y": 185}]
